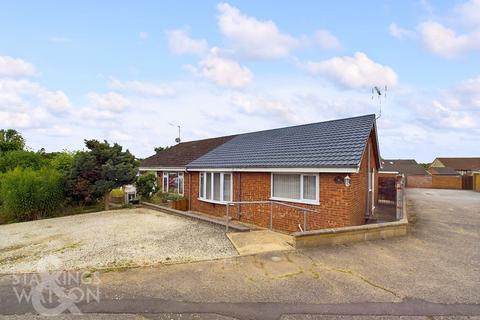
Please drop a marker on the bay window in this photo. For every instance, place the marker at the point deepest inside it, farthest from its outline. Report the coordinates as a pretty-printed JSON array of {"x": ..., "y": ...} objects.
[
  {"x": 295, "y": 187},
  {"x": 173, "y": 182},
  {"x": 215, "y": 187}
]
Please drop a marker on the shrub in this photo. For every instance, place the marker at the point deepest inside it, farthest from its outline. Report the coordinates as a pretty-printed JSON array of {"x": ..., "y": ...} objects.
[
  {"x": 147, "y": 185},
  {"x": 174, "y": 197},
  {"x": 29, "y": 194}
]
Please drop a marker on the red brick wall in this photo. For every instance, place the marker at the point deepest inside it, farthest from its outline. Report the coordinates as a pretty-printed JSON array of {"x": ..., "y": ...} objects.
[
  {"x": 419, "y": 182},
  {"x": 446, "y": 182},
  {"x": 339, "y": 205}
]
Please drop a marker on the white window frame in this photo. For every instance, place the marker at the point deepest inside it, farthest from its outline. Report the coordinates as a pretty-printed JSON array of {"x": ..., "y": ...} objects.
[
  {"x": 301, "y": 200},
  {"x": 165, "y": 187},
  {"x": 202, "y": 197}
]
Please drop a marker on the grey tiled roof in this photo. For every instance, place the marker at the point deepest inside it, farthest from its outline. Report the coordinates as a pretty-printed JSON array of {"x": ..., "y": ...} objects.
[{"x": 336, "y": 143}]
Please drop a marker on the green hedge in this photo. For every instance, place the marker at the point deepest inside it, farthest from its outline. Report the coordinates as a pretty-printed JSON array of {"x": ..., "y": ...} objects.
[{"x": 29, "y": 194}]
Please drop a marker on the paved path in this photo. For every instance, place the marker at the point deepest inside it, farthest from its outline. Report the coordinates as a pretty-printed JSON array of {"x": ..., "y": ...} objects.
[{"x": 433, "y": 271}]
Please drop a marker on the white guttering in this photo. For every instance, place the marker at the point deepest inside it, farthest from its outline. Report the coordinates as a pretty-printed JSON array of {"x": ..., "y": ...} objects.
[
  {"x": 162, "y": 169},
  {"x": 292, "y": 170}
]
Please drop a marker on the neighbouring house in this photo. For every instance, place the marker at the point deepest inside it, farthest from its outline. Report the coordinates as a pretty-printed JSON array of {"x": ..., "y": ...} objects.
[
  {"x": 464, "y": 166},
  {"x": 415, "y": 175},
  {"x": 312, "y": 176},
  {"x": 445, "y": 178}
]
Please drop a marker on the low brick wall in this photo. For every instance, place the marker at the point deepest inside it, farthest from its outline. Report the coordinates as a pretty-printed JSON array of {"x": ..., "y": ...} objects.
[
  {"x": 343, "y": 235},
  {"x": 350, "y": 234},
  {"x": 446, "y": 182},
  {"x": 419, "y": 181}
]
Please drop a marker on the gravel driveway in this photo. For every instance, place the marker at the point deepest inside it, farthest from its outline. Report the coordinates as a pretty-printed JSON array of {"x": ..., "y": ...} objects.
[{"x": 118, "y": 238}]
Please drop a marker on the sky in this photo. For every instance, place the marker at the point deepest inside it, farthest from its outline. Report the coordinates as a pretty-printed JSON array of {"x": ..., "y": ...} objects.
[{"x": 132, "y": 71}]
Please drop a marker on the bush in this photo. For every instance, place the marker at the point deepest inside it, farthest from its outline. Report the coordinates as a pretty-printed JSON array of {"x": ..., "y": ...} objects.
[
  {"x": 29, "y": 194},
  {"x": 147, "y": 185},
  {"x": 62, "y": 161}
]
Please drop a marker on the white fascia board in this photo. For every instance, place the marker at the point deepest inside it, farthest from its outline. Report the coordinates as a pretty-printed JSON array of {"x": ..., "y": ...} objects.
[
  {"x": 395, "y": 172},
  {"x": 292, "y": 170},
  {"x": 161, "y": 169}
]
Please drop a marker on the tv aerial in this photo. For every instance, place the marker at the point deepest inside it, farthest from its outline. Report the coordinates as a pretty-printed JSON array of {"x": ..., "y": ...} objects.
[
  {"x": 380, "y": 93},
  {"x": 177, "y": 139}
]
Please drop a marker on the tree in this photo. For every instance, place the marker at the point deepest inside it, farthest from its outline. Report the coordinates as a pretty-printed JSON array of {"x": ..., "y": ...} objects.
[
  {"x": 147, "y": 185},
  {"x": 29, "y": 194},
  {"x": 159, "y": 149},
  {"x": 21, "y": 158},
  {"x": 11, "y": 140},
  {"x": 98, "y": 171}
]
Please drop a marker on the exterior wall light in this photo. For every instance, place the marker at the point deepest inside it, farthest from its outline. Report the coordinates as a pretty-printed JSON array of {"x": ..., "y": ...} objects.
[{"x": 347, "y": 180}]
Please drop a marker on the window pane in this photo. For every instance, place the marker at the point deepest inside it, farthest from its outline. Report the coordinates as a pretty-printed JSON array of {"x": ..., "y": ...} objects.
[
  {"x": 165, "y": 182},
  {"x": 216, "y": 186},
  {"x": 227, "y": 182},
  {"x": 202, "y": 187},
  {"x": 180, "y": 183},
  {"x": 309, "y": 187},
  {"x": 209, "y": 185},
  {"x": 173, "y": 182},
  {"x": 286, "y": 186}
]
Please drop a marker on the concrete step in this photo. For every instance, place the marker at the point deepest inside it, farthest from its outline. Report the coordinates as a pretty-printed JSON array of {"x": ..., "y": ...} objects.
[{"x": 233, "y": 225}]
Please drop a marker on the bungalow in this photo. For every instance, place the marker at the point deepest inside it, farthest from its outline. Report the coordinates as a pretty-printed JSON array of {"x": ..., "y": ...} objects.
[{"x": 312, "y": 176}]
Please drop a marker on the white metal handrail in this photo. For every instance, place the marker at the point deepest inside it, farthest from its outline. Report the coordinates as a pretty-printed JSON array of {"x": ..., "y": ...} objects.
[{"x": 270, "y": 202}]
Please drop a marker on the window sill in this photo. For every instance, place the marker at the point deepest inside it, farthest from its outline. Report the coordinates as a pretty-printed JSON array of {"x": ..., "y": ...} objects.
[
  {"x": 313, "y": 202},
  {"x": 213, "y": 201}
]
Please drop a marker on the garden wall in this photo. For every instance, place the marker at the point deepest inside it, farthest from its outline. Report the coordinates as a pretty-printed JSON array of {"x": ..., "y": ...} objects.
[{"x": 419, "y": 182}]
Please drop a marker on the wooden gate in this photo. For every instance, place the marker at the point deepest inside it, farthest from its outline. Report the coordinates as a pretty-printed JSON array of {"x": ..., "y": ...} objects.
[
  {"x": 467, "y": 182},
  {"x": 387, "y": 192}
]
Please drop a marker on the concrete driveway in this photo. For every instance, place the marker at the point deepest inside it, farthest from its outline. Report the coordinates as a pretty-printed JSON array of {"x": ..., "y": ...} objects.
[
  {"x": 432, "y": 272},
  {"x": 110, "y": 239}
]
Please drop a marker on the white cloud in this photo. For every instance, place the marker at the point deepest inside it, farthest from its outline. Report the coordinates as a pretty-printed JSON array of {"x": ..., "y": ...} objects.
[
  {"x": 443, "y": 116},
  {"x": 353, "y": 72},
  {"x": 55, "y": 101},
  {"x": 180, "y": 42},
  {"x": 15, "y": 94},
  {"x": 15, "y": 119},
  {"x": 263, "y": 106},
  {"x": 141, "y": 88},
  {"x": 326, "y": 40},
  {"x": 469, "y": 12},
  {"x": 468, "y": 93},
  {"x": 254, "y": 38},
  {"x": 222, "y": 71},
  {"x": 117, "y": 135},
  {"x": 143, "y": 35},
  {"x": 446, "y": 42},
  {"x": 110, "y": 101},
  {"x": 399, "y": 32},
  {"x": 15, "y": 67}
]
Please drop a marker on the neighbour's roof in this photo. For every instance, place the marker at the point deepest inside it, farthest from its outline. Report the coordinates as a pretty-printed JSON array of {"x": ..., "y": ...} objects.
[
  {"x": 443, "y": 171},
  {"x": 408, "y": 167},
  {"x": 183, "y": 153},
  {"x": 461, "y": 163},
  {"x": 336, "y": 143}
]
